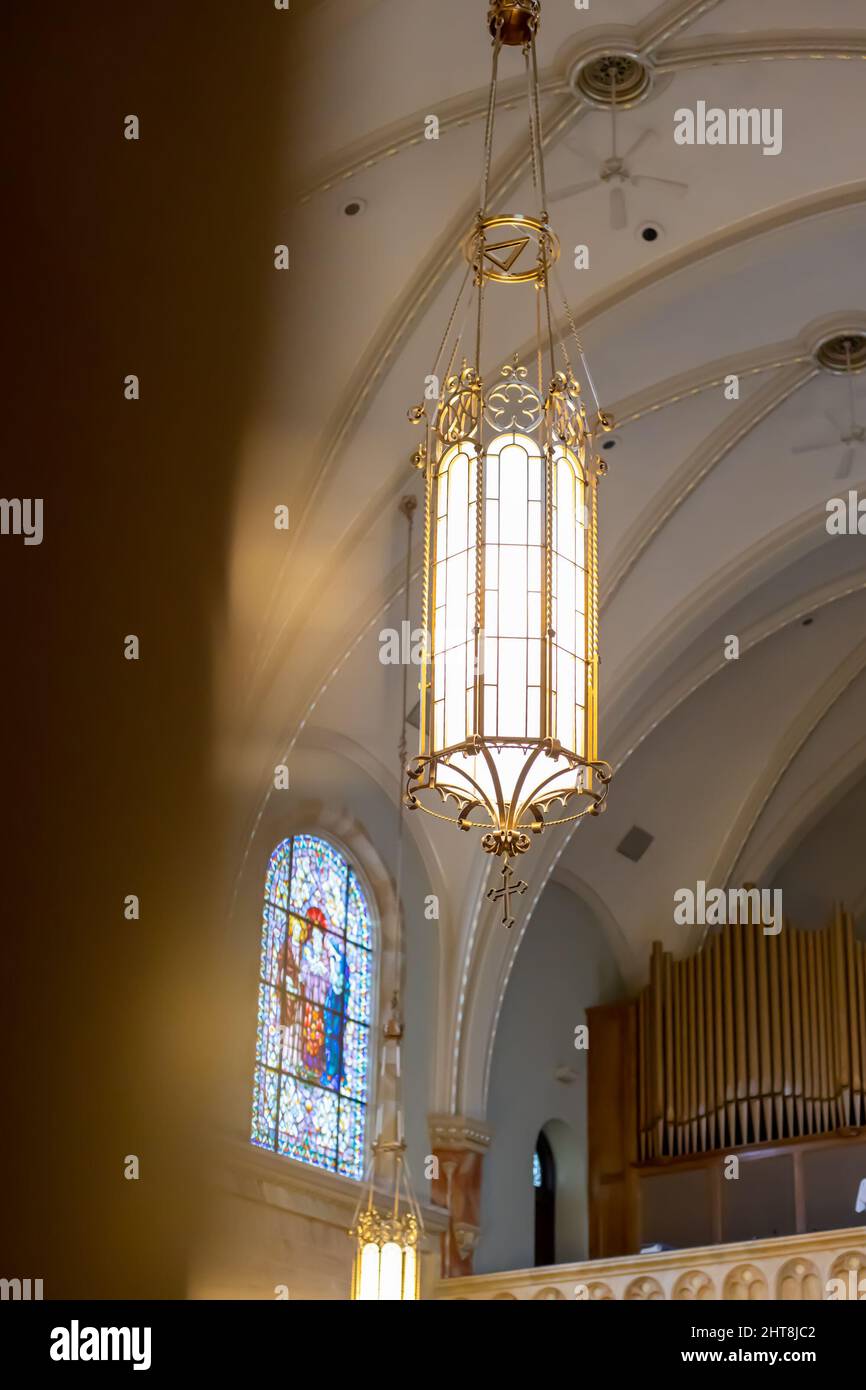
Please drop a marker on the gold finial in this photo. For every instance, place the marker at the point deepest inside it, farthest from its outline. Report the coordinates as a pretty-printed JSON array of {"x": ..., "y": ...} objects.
[
  {"x": 504, "y": 894},
  {"x": 516, "y": 21}
]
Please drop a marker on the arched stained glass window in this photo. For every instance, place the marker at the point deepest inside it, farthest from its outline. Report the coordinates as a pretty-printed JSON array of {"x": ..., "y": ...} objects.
[{"x": 313, "y": 1042}]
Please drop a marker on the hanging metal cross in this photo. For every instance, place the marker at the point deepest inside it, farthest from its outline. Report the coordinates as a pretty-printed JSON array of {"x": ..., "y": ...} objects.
[{"x": 504, "y": 893}]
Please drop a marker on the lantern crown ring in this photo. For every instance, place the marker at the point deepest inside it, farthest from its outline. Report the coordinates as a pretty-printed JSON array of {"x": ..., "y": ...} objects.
[
  {"x": 512, "y": 248},
  {"x": 373, "y": 1227}
]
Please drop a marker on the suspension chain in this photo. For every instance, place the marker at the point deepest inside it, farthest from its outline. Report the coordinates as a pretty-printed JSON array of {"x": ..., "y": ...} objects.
[{"x": 491, "y": 116}]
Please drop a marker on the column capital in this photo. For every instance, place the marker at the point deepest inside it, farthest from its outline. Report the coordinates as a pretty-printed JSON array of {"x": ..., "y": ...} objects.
[{"x": 459, "y": 1133}]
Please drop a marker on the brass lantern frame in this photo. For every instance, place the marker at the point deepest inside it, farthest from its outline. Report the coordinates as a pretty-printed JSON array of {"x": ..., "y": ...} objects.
[
  {"x": 517, "y": 250},
  {"x": 507, "y": 823},
  {"x": 388, "y": 1220}
]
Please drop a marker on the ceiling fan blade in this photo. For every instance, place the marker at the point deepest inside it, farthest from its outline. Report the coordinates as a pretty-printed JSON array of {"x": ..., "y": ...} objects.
[
  {"x": 573, "y": 190},
  {"x": 618, "y": 213},
  {"x": 641, "y": 140},
  {"x": 846, "y": 463},
  {"x": 813, "y": 448},
  {"x": 669, "y": 183}
]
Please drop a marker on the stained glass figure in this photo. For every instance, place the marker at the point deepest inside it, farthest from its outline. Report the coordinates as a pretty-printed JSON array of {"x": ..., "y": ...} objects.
[{"x": 313, "y": 1041}]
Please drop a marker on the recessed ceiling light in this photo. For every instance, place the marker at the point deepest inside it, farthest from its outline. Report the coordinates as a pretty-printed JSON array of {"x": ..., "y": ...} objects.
[
  {"x": 649, "y": 231},
  {"x": 354, "y": 207}
]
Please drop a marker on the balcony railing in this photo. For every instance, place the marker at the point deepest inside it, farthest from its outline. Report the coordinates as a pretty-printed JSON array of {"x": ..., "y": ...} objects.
[{"x": 820, "y": 1265}]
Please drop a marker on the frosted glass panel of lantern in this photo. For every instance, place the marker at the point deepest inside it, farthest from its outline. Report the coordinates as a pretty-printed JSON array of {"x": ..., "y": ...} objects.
[
  {"x": 568, "y": 663},
  {"x": 558, "y": 777},
  {"x": 453, "y": 642},
  {"x": 368, "y": 1284},
  {"x": 391, "y": 1272},
  {"x": 513, "y": 619},
  {"x": 410, "y": 1273},
  {"x": 467, "y": 773},
  {"x": 512, "y": 600}
]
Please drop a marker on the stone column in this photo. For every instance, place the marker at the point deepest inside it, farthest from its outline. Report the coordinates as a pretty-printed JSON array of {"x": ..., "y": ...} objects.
[{"x": 459, "y": 1146}]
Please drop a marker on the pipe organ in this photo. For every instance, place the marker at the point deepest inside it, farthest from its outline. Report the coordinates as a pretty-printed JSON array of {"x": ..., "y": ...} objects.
[
  {"x": 755, "y": 1037},
  {"x": 755, "y": 1044}
]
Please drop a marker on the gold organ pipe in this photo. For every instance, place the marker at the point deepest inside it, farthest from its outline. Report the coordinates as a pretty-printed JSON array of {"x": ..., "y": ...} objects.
[
  {"x": 753, "y": 1062},
  {"x": 751, "y": 1039},
  {"x": 715, "y": 968},
  {"x": 730, "y": 1067},
  {"x": 774, "y": 955},
  {"x": 702, "y": 1063},
  {"x": 765, "y": 1080},
  {"x": 797, "y": 1036},
  {"x": 742, "y": 1067},
  {"x": 787, "y": 1030},
  {"x": 679, "y": 1035},
  {"x": 849, "y": 981},
  {"x": 656, "y": 1054},
  {"x": 843, "y": 1023},
  {"x": 812, "y": 1026},
  {"x": 825, "y": 1030},
  {"x": 669, "y": 1054},
  {"x": 690, "y": 1024},
  {"x": 861, "y": 952}
]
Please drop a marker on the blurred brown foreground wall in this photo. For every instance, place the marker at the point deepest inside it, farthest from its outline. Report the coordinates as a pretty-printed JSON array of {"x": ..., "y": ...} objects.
[{"x": 148, "y": 257}]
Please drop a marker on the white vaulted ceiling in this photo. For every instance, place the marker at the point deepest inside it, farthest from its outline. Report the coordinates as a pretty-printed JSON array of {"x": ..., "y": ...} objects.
[{"x": 710, "y": 525}]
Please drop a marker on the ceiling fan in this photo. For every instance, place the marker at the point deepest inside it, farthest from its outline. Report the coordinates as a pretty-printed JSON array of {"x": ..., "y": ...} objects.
[
  {"x": 852, "y": 436},
  {"x": 615, "y": 173}
]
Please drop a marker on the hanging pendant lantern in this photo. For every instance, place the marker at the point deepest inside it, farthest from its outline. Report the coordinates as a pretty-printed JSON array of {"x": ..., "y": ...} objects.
[
  {"x": 386, "y": 1265},
  {"x": 388, "y": 1228},
  {"x": 509, "y": 680}
]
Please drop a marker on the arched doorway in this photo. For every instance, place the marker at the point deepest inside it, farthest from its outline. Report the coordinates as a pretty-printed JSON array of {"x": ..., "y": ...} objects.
[{"x": 544, "y": 1184}]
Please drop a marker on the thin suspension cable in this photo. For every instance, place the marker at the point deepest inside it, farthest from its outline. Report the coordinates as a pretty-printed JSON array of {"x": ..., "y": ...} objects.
[
  {"x": 578, "y": 343},
  {"x": 485, "y": 185},
  {"x": 538, "y": 341},
  {"x": 546, "y": 287},
  {"x": 533, "y": 159},
  {"x": 480, "y": 318},
  {"x": 410, "y": 1189},
  {"x": 538, "y": 135},
  {"x": 491, "y": 116},
  {"x": 402, "y": 756},
  {"x": 458, "y": 338},
  {"x": 407, "y": 507},
  {"x": 450, "y": 322},
  {"x": 396, "y": 1207}
]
